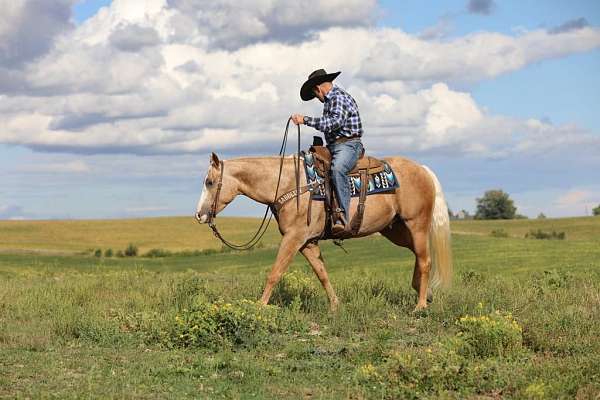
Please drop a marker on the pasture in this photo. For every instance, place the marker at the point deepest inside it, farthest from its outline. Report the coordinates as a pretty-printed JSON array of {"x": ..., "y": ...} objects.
[{"x": 520, "y": 320}]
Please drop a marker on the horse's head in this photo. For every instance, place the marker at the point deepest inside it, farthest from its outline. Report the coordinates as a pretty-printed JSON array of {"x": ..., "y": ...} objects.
[{"x": 215, "y": 198}]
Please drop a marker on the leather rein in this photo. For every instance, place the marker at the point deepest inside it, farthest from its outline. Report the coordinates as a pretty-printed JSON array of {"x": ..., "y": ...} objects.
[{"x": 266, "y": 220}]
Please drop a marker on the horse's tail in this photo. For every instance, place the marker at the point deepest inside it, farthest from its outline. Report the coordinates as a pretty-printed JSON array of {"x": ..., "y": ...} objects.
[{"x": 439, "y": 238}]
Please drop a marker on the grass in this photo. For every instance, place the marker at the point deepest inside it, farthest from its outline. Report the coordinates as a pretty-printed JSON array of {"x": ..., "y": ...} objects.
[{"x": 74, "y": 325}]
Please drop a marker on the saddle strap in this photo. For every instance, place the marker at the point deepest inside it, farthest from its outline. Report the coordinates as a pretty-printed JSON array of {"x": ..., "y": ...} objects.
[
  {"x": 284, "y": 198},
  {"x": 358, "y": 217}
]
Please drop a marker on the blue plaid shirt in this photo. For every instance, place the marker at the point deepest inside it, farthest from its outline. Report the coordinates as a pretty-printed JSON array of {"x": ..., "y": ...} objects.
[{"x": 340, "y": 116}]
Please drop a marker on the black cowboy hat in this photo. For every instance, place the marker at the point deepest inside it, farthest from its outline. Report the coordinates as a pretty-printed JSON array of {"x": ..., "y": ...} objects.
[{"x": 316, "y": 78}]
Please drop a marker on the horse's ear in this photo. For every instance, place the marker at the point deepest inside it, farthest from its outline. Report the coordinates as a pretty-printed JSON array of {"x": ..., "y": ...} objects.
[{"x": 214, "y": 160}]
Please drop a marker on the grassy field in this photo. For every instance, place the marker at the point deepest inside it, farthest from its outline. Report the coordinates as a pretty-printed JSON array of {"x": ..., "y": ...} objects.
[{"x": 520, "y": 321}]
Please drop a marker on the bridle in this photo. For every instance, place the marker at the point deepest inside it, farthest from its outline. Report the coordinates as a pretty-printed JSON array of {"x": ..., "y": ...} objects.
[
  {"x": 213, "y": 208},
  {"x": 266, "y": 220}
]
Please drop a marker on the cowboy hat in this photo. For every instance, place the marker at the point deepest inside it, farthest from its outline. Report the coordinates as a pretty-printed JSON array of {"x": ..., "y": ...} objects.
[{"x": 316, "y": 78}]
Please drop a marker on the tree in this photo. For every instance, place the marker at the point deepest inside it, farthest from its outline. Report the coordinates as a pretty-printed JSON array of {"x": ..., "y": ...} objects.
[
  {"x": 596, "y": 211},
  {"x": 495, "y": 204}
]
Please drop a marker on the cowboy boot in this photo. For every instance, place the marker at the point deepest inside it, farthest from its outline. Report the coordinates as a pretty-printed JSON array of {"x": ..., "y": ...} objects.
[{"x": 340, "y": 224}]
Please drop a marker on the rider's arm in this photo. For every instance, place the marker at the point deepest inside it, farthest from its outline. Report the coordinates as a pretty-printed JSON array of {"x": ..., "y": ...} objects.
[{"x": 332, "y": 120}]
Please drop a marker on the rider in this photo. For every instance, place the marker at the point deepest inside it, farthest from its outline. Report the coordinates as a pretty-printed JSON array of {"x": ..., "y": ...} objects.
[{"x": 342, "y": 128}]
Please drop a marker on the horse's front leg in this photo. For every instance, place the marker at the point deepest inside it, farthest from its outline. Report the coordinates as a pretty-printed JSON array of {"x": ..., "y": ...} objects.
[{"x": 290, "y": 244}]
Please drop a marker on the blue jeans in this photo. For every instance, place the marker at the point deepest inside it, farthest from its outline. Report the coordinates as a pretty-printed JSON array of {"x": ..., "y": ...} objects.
[{"x": 344, "y": 157}]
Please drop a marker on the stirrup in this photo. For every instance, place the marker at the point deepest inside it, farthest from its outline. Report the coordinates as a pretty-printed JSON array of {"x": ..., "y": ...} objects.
[{"x": 340, "y": 244}]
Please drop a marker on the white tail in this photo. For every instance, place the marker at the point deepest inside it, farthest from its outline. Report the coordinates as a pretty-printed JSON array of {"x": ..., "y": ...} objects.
[{"x": 439, "y": 238}]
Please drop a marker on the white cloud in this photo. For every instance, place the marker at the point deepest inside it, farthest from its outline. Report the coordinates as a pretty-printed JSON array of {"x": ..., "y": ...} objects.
[
  {"x": 577, "y": 197},
  {"x": 70, "y": 167},
  {"x": 28, "y": 28},
  {"x": 395, "y": 55},
  {"x": 187, "y": 76},
  {"x": 13, "y": 212}
]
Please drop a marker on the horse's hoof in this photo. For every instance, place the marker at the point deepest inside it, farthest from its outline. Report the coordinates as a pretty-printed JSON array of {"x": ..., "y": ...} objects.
[
  {"x": 420, "y": 308},
  {"x": 429, "y": 297},
  {"x": 333, "y": 307}
]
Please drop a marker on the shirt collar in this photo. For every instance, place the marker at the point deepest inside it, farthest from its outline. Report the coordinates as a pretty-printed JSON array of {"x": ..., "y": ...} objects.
[{"x": 331, "y": 92}]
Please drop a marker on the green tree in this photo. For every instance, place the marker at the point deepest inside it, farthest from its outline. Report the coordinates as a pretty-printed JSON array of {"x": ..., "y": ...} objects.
[
  {"x": 596, "y": 211},
  {"x": 495, "y": 204}
]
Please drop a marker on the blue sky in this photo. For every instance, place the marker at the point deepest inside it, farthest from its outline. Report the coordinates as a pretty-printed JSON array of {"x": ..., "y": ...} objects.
[{"x": 133, "y": 159}]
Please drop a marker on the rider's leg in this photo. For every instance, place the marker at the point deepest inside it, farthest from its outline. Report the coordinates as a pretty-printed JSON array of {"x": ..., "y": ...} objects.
[{"x": 344, "y": 158}]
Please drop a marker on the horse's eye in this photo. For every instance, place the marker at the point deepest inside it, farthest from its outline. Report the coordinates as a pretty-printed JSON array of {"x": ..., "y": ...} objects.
[{"x": 209, "y": 182}]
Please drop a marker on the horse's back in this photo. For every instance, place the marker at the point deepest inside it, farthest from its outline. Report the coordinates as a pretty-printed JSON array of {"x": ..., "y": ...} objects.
[{"x": 416, "y": 194}]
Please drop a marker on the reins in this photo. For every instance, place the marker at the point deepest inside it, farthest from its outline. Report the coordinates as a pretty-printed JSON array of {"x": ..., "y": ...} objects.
[{"x": 266, "y": 220}]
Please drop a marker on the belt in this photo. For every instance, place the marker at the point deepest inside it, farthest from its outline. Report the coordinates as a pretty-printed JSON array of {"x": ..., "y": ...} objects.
[{"x": 344, "y": 139}]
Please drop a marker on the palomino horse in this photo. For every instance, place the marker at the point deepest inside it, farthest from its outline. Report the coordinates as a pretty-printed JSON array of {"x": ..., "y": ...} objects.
[{"x": 414, "y": 215}]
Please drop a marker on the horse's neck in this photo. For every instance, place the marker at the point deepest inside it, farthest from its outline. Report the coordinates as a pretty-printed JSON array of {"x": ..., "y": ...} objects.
[{"x": 258, "y": 177}]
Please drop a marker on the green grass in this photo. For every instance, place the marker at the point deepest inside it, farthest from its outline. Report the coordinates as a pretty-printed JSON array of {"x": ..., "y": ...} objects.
[{"x": 73, "y": 325}]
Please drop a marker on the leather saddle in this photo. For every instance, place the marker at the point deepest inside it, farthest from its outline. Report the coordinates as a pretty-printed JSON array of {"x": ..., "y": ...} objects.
[
  {"x": 323, "y": 163},
  {"x": 364, "y": 166}
]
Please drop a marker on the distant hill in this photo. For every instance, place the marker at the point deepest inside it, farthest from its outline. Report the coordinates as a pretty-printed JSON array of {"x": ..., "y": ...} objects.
[{"x": 183, "y": 233}]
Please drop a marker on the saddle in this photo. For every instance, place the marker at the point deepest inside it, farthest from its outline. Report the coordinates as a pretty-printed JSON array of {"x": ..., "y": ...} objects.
[
  {"x": 369, "y": 176},
  {"x": 323, "y": 163},
  {"x": 365, "y": 166}
]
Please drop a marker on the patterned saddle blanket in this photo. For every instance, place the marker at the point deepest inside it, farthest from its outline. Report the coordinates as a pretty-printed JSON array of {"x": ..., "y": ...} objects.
[{"x": 382, "y": 180}]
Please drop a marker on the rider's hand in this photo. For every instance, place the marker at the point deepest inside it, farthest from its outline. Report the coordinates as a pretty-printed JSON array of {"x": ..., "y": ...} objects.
[{"x": 298, "y": 119}]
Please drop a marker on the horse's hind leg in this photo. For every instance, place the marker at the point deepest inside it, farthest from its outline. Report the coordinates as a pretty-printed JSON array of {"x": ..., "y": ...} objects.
[
  {"x": 312, "y": 252},
  {"x": 401, "y": 235},
  {"x": 422, "y": 267}
]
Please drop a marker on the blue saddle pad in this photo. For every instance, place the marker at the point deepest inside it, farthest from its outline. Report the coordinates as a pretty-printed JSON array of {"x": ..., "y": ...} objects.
[{"x": 383, "y": 181}]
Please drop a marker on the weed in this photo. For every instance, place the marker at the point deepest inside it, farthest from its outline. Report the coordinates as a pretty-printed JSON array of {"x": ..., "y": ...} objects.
[
  {"x": 158, "y": 253},
  {"x": 211, "y": 325},
  {"x": 131, "y": 250},
  {"x": 539, "y": 234},
  {"x": 296, "y": 286},
  {"x": 495, "y": 334}
]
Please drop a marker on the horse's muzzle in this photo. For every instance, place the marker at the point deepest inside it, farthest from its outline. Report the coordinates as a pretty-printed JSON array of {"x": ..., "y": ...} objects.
[{"x": 201, "y": 218}]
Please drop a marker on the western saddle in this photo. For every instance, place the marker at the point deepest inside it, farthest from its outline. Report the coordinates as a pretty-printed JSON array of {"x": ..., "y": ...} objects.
[{"x": 365, "y": 166}]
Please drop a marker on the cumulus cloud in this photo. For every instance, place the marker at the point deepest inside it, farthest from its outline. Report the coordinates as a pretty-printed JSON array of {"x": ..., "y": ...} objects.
[
  {"x": 232, "y": 24},
  {"x": 571, "y": 25},
  {"x": 12, "y": 212},
  {"x": 28, "y": 28},
  {"x": 133, "y": 37},
  {"x": 398, "y": 55},
  {"x": 70, "y": 167},
  {"x": 578, "y": 200},
  {"x": 157, "y": 77},
  {"x": 484, "y": 7}
]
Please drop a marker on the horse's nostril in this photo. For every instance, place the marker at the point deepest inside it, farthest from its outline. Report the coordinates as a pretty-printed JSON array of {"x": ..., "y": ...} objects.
[{"x": 197, "y": 215}]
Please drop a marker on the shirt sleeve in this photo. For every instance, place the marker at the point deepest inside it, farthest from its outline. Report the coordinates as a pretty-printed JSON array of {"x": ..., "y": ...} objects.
[{"x": 333, "y": 120}]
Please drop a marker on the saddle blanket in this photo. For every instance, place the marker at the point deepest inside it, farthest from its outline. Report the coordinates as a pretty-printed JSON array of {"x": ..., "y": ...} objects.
[{"x": 378, "y": 182}]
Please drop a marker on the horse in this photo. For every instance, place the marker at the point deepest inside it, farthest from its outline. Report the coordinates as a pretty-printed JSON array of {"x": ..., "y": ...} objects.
[{"x": 414, "y": 215}]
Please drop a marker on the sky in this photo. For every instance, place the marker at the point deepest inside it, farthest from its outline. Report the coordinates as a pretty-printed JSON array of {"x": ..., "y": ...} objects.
[{"x": 110, "y": 109}]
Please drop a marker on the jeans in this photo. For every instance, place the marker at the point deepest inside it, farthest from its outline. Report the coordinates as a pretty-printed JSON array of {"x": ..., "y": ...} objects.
[{"x": 344, "y": 157}]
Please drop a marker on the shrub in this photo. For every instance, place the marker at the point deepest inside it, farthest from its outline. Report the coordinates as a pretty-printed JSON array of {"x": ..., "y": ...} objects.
[
  {"x": 158, "y": 253},
  {"x": 296, "y": 286},
  {"x": 120, "y": 253},
  {"x": 499, "y": 233},
  {"x": 539, "y": 234},
  {"x": 495, "y": 334},
  {"x": 108, "y": 253},
  {"x": 211, "y": 325},
  {"x": 550, "y": 280},
  {"x": 131, "y": 250},
  {"x": 98, "y": 253},
  {"x": 184, "y": 293}
]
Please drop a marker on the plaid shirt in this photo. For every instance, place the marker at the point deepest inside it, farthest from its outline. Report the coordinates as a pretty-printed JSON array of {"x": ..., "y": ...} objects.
[{"x": 340, "y": 116}]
